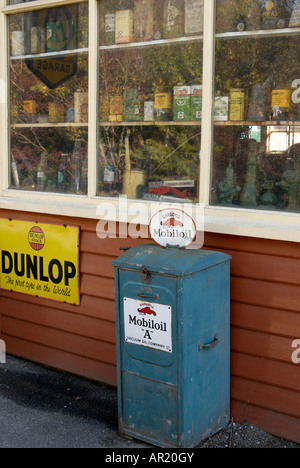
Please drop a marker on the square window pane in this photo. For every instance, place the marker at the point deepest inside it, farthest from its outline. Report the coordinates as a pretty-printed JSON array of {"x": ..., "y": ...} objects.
[
  {"x": 150, "y": 98},
  {"x": 256, "y": 147},
  {"x": 48, "y": 98}
]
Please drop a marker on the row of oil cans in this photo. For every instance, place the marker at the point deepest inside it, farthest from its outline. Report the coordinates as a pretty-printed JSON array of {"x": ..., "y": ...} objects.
[{"x": 146, "y": 20}]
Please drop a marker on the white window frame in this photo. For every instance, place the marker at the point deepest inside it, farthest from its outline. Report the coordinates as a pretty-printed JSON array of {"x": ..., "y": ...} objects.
[{"x": 224, "y": 220}]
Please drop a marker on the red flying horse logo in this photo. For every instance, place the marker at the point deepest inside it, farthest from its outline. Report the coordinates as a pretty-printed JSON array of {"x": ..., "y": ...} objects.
[
  {"x": 171, "y": 222},
  {"x": 146, "y": 311}
]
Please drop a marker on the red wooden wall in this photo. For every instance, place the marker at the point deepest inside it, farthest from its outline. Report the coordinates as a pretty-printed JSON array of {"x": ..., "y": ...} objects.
[{"x": 265, "y": 318}]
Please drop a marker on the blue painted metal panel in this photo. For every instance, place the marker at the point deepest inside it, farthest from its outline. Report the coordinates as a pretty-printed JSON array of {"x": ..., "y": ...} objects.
[{"x": 174, "y": 399}]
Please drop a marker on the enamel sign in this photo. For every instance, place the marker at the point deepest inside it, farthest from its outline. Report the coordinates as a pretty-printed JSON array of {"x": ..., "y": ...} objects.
[
  {"x": 172, "y": 227},
  {"x": 148, "y": 324},
  {"x": 40, "y": 260}
]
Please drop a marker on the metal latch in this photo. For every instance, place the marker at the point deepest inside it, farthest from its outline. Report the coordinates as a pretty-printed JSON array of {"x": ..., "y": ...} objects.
[
  {"x": 145, "y": 274},
  {"x": 210, "y": 345}
]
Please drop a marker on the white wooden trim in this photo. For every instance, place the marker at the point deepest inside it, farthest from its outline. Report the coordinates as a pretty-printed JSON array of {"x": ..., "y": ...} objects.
[
  {"x": 4, "y": 128},
  {"x": 207, "y": 101},
  {"x": 93, "y": 97},
  {"x": 38, "y": 5}
]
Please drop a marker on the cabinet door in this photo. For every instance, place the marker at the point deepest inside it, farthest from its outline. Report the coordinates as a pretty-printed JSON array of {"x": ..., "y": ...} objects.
[{"x": 148, "y": 326}]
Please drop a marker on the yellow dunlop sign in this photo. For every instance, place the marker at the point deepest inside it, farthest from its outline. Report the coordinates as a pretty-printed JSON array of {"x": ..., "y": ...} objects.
[
  {"x": 40, "y": 260},
  {"x": 55, "y": 31}
]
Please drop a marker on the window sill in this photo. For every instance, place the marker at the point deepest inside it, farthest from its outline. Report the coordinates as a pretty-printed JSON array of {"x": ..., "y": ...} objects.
[{"x": 221, "y": 220}]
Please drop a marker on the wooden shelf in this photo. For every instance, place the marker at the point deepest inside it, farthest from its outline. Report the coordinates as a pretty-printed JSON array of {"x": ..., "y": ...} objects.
[
  {"x": 159, "y": 42},
  {"x": 49, "y": 55},
  {"x": 48, "y": 125},
  {"x": 259, "y": 34},
  {"x": 149, "y": 124},
  {"x": 191, "y": 123},
  {"x": 248, "y": 123}
]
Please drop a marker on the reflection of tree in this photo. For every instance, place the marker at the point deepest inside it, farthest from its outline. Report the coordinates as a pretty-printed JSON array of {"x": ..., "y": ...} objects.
[
  {"x": 27, "y": 144},
  {"x": 162, "y": 152}
]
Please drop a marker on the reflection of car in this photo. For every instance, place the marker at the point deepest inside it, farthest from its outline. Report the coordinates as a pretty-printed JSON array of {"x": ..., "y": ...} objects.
[
  {"x": 146, "y": 311},
  {"x": 171, "y": 222}
]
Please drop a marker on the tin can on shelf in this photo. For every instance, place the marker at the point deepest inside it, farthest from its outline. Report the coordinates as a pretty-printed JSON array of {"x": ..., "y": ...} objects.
[
  {"x": 149, "y": 111},
  {"x": 162, "y": 106},
  {"x": 124, "y": 26},
  {"x": 269, "y": 14},
  {"x": 50, "y": 37},
  {"x": 56, "y": 112},
  {"x": 144, "y": 20},
  {"x": 236, "y": 104},
  {"x": 196, "y": 102},
  {"x": 173, "y": 18},
  {"x": 194, "y": 10},
  {"x": 110, "y": 28},
  {"x": 29, "y": 107},
  {"x": 181, "y": 103},
  {"x": 81, "y": 106},
  {"x": 280, "y": 103},
  {"x": 221, "y": 108},
  {"x": 257, "y": 111},
  {"x": 17, "y": 43},
  {"x": 133, "y": 105}
]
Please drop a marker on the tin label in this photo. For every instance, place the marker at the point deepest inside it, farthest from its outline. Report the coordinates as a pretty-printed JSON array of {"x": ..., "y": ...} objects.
[
  {"x": 194, "y": 11},
  {"x": 148, "y": 324},
  {"x": 237, "y": 104},
  {"x": 124, "y": 26},
  {"x": 281, "y": 98}
]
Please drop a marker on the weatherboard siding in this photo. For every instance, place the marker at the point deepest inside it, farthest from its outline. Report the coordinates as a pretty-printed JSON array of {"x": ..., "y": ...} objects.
[{"x": 265, "y": 319}]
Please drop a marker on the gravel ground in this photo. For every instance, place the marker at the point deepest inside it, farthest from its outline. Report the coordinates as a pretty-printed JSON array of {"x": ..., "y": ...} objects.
[{"x": 45, "y": 408}]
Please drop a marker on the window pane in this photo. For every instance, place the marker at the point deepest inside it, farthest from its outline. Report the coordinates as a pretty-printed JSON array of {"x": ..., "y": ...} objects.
[
  {"x": 48, "y": 99},
  {"x": 150, "y": 98},
  {"x": 253, "y": 15},
  {"x": 14, "y": 2},
  {"x": 256, "y": 159}
]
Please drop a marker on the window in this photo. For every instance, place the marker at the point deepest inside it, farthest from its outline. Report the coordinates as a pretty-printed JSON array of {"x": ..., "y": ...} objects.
[
  {"x": 256, "y": 155},
  {"x": 150, "y": 81},
  {"x": 157, "y": 100},
  {"x": 48, "y": 99}
]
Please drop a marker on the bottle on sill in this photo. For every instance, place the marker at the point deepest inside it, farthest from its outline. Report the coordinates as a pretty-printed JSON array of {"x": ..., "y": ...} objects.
[
  {"x": 173, "y": 19},
  {"x": 84, "y": 176},
  {"x": 41, "y": 176},
  {"x": 62, "y": 175},
  {"x": 109, "y": 170},
  {"x": 76, "y": 167}
]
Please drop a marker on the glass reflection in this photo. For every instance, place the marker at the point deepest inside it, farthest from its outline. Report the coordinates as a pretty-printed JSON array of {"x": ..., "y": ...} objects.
[
  {"x": 49, "y": 99},
  {"x": 150, "y": 98}
]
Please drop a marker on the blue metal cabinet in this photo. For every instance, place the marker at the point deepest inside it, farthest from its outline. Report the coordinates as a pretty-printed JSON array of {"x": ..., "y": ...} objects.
[{"x": 173, "y": 344}]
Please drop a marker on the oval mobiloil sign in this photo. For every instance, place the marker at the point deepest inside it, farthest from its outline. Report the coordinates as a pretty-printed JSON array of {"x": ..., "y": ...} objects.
[{"x": 172, "y": 227}]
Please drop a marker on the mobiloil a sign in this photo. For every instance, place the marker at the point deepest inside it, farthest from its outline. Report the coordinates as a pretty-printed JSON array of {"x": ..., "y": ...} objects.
[{"x": 40, "y": 260}]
